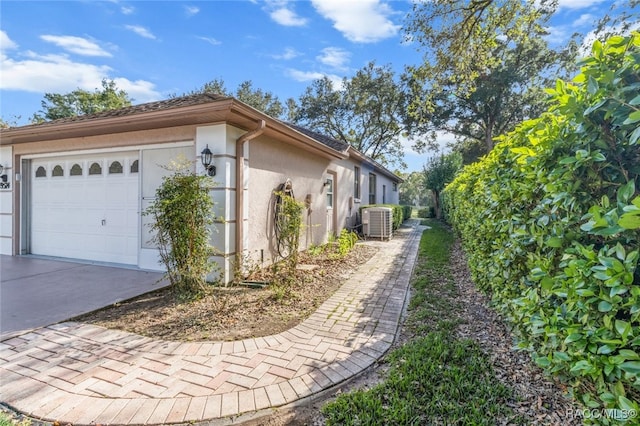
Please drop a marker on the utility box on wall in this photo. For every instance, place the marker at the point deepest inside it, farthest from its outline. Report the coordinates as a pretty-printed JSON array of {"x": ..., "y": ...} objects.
[{"x": 377, "y": 222}]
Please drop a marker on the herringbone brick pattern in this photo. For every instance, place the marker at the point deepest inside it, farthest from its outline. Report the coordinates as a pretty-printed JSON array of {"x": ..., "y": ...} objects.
[{"x": 83, "y": 374}]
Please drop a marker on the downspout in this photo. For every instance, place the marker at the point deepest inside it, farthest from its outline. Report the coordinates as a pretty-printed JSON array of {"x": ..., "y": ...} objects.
[{"x": 240, "y": 183}]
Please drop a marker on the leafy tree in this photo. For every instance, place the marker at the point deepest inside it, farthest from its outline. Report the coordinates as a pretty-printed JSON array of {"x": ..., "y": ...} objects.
[
  {"x": 81, "y": 102},
  {"x": 5, "y": 124},
  {"x": 412, "y": 190},
  {"x": 623, "y": 16},
  {"x": 266, "y": 102},
  {"x": 459, "y": 36},
  {"x": 214, "y": 87},
  {"x": 483, "y": 75},
  {"x": 263, "y": 101},
  {"x": 438, "y": 172},
  {"x": 366, "y": 112}
]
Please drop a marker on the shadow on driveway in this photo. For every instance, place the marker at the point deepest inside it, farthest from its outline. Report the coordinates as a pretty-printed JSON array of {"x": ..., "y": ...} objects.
[{"x": 36, "y": 292}]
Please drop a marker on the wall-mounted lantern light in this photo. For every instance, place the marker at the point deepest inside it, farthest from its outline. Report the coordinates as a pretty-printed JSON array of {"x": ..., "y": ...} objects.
[
  {"x": 4, "y": 178},
  {"x": 327, "y": 183},
  {"x": 206, "y": 158}
]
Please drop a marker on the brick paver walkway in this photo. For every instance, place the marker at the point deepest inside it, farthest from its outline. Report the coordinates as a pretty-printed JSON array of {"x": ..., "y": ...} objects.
[{"x": 84, "y": 374}]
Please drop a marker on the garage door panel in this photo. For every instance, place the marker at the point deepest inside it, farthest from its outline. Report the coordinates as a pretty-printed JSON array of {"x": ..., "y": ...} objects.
[{"x": 92, "y": 217}]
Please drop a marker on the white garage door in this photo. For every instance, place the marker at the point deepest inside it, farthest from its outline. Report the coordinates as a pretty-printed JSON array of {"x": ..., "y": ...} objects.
[{"x": 86, "y": 207}]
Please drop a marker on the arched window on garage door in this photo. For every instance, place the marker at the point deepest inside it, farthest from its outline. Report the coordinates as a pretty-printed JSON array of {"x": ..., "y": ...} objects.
[
  {"x": 57, "y": 171},
  {"x": 95, "y": 169},
  {"x": 76, "y": 170},
  {"x": 115, "y": 168}
]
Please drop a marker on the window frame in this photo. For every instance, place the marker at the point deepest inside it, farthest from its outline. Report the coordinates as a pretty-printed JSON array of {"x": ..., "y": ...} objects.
[
  {"x": 372, "y": 188},
  {"x": 356, "y": 182}
]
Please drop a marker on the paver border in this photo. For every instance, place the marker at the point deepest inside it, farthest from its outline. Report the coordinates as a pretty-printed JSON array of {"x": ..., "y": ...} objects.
[{"x": 84, "y": 374}]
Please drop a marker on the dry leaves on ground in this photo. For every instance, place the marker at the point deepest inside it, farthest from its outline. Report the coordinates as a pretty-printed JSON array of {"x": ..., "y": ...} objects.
[
  {"x": 234, "y": 313},
  {"x": 543, "y": 401}
]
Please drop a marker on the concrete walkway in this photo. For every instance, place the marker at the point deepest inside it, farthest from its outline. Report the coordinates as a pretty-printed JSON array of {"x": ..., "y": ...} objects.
[
  {"x": 82, "y": 374},
  {"x": 35, "y": 292}
]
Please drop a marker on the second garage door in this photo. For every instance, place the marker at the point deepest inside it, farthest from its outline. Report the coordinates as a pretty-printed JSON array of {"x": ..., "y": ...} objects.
[{"x": 86, "y": 207}]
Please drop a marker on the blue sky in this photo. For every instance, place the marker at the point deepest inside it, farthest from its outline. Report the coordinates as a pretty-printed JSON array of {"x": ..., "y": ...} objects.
[{"x": 153, "y": 49}]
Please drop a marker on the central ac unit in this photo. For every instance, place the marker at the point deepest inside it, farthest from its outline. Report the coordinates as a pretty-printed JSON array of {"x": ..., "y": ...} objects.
[{"x": 377, "y": 222}]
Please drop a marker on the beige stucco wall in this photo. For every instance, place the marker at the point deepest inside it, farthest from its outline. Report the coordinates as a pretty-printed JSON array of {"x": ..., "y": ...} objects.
[
  {"x": 109, "y": 141},
  {"x": 271, "y": 164}
]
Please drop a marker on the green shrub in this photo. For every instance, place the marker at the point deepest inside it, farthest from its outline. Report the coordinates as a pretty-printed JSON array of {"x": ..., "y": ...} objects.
[
  {"x": 182, "y": 217},
  {"x": 550, "y": 221},
  {"x": 346, "y": 241},
  {"x": 288, "y": 224},
  {"x": 427, "y": 212}
]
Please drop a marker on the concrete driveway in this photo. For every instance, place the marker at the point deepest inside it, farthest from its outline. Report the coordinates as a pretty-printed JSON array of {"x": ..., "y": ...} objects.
[{"x": 36, "y": 292}]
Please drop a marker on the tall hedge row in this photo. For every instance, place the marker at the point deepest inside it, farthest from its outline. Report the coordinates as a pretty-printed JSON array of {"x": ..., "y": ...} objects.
[{"x": 550, "y": 221}]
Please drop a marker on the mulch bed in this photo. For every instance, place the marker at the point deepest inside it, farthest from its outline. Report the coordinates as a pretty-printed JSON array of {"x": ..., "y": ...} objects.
[
  {"x": 542, "y": 401},
  {"x": 234, "y": 313}
]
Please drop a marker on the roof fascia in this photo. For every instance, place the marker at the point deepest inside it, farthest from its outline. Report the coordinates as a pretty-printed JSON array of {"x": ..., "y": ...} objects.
[
  {"x": 234, "y": 113},
  {"x": 376, "y": 166}
]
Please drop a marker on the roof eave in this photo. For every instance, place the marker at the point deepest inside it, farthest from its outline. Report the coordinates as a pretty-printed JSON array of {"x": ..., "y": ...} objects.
[
  {"x": 377, "y": 166},
  {"x": 193, "y": 114}
]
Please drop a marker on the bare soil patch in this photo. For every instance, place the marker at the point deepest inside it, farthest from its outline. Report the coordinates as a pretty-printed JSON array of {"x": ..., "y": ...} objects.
[{"x": 234, "y": 313}]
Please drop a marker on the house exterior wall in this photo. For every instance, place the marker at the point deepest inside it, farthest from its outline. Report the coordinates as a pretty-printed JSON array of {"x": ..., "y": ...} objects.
[
  {"x": 221, "y": 140},
  {"x": 268, "y": 163},
  {"x": 271, "y": 164},
  {"x": 385, "y": 191},
  {"x": 6, "y": 201},
  {"x": 348, "y": 203}
]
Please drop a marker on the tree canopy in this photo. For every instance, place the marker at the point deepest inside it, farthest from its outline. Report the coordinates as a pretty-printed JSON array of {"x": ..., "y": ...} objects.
[
  {"x": 81, "y": 102},
  {"x": 486, "y": 63},
  {"x": 412, "y": 190},
  {"x": 365, "y": 112},
  {"x": 261, "y": 100},
  {"x": 438, "y": 172}
]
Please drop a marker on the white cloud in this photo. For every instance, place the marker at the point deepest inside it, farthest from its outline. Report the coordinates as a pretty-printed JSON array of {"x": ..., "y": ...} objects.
[
  {"x": 288, "y": 54},
  {"x": 141, "y": 31},
  {"x": 140, "y": 90},
  {"x": 577, "y": 4},
  {"x": 210, "y": 40},
  {"x": 584, "y": 19},
  {"x": 287, "y": 17},
  {"x": 191, "y": 10},
  {"x": 127, "y": 10},
  {"x": 303, "y": 76},
  {"x": 362, "y": 21},
  {"x": 77, "y": 45},
  {"x": 334, "y": 57},
  {"x": 5, "y": 42},
  {"x": 59, "y": 74}
]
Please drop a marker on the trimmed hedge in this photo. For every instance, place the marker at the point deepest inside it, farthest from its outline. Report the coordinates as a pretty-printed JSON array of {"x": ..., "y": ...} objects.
[
  {"x": 550, "y": 220},
  {"x": 400, "y": 213}
]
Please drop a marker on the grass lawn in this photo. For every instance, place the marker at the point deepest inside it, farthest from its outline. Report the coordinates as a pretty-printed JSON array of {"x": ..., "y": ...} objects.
[{"x": 434, "y": 378}]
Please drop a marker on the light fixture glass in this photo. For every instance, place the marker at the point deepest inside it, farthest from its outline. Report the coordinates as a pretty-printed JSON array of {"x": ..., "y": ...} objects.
[{"x": 207, "y": 158}]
